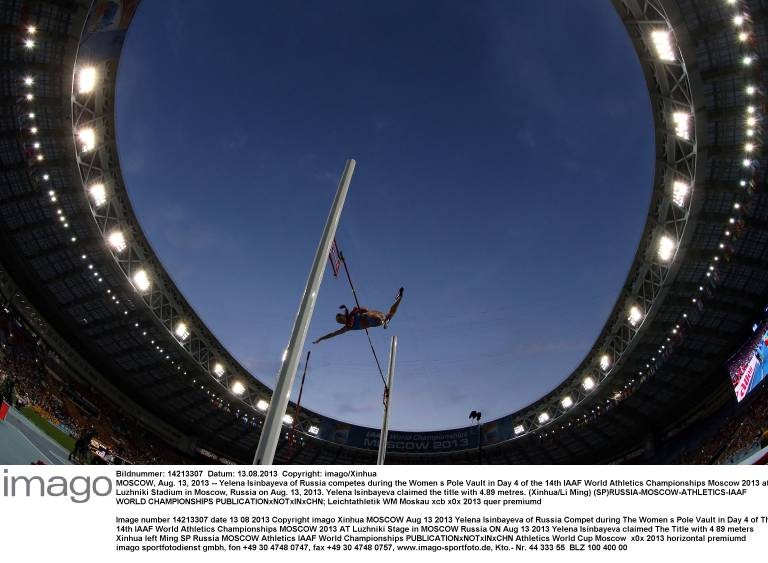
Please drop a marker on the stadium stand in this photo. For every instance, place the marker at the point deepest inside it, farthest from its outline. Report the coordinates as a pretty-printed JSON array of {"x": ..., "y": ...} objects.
[
  {"x": 736, "y": 437},
  {"x": 70, "y": 406}
]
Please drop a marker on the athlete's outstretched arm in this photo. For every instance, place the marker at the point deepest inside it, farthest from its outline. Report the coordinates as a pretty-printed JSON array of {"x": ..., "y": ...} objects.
[
  {"x": 342, "y": 330},
  {"x": 395, "y": 305}
]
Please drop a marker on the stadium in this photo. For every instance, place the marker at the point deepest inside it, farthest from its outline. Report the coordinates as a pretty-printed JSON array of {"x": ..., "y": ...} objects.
[{"x": 96, "y": 334}]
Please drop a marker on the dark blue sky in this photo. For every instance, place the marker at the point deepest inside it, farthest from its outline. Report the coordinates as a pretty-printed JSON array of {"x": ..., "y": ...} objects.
[{"x": 505, "y": 161}]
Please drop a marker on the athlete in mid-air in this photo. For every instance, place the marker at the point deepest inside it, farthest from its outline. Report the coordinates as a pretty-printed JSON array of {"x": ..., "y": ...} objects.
[{"x": 360, "y": 318}]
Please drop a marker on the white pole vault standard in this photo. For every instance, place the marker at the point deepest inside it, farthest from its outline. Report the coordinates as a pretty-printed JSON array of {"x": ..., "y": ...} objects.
[
  {"x": 385, "y": 424},
  {"x": 270, "y": 433}
]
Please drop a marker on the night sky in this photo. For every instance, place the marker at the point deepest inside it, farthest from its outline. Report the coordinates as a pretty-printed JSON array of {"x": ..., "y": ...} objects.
[{"x": 505, "y": 161}]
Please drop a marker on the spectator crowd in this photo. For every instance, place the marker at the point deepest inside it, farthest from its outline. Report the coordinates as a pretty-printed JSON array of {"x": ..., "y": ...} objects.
[
  {"x": 744, "y": 429},
  {"x": 29, "y": 379}
]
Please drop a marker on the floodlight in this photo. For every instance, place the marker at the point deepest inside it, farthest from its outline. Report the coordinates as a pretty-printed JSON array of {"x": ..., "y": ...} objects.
[
  {"x": 605, "y": 362},
  {"x": 666, "y": 250},
  {"x": 29, "y": 43},
  {"x": 681, "y": 120},
  {"x": 519, "y": 429},
  {"x": 28, "y": 81},
  {"x": 567, "y": 402},
  {"x": 662, "y": 41},
  {"x": 680, "y": 191},
  {"x": 543, "y": 417},
  {"x": 750, "y": 90},
  {"x": 117, "y": 241},
  {"x": 746, "y": 61},
  {"x": 287, "y": 419},
  {"x": 588, "y": 383},
  {"x": 87, "y": 137},
  {"x": 635, "y": 315},
  {"x": 749, "y": 147},
  {"x": 738, "y": 19},
  {"x": 29, "y": 96},
  {"x": 314, "y": 430},
  {"x": 238, "y": 388},
  {"x": 218, "y": 369},
  {"x": 31, "y": 29},
  {"x": 182, "y": 331},
  {"x": 743, "y": 36},
  {"x": 262, "y": 405},
  {"x": 141, "y": 280},
  {"x": 98, "y": 194},
  {"x": 86, "y": 80}
]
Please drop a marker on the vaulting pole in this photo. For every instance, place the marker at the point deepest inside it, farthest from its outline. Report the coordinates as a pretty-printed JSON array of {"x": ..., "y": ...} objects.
[
  {"x": 387, "y": 402},
  {"x": 270, "y": 433}
]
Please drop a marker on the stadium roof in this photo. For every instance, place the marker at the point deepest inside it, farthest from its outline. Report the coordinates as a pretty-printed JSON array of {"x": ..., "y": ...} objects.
[{"x": 80, "y": 267}]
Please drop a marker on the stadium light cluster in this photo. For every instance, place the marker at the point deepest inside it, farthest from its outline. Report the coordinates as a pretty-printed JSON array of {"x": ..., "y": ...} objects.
[
  {"x": 680, "y": 191},
  {"x": 98, "y": 194},
  {"x": 682, "y": 120},
  {"x": 117, "y": 241},
  {"x": 181, "y": 330},
  {"x": 87, "y": 138},
  {"x": 86, "y": 80},
  {"x": 662, "y": 42},
  {"x": 666, "y": 248},
  {"x": 635, "y": 316},
  {"x": 141, "y": 280}
]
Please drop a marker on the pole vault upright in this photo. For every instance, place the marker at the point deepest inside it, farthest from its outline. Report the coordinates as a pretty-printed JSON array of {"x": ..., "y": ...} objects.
[
  {"x": 270, "y": 433},
  {"x": 387, "y": 402}
]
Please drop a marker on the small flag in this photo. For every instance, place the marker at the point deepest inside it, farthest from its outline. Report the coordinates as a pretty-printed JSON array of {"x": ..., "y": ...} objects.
[{"x": 334, "y": 256}]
